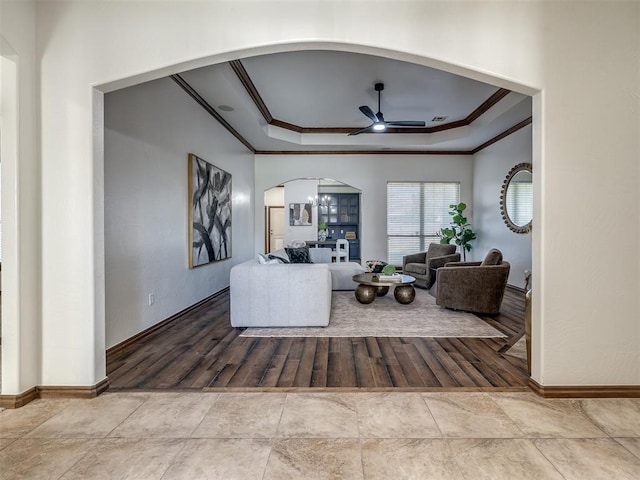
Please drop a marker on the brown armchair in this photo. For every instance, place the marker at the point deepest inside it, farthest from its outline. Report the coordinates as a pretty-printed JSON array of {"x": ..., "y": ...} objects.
[
  {"x": 419, "y": 265},
  {"x": 474, "y": 286}
]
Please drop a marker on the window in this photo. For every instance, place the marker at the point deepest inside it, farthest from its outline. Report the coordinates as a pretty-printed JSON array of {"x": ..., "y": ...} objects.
[
  {"x": 416, "y": 211},
  {"x": 520, "y": 202}
]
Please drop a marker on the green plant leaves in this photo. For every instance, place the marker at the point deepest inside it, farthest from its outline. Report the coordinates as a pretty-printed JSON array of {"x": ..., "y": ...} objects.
[
  {"x": 389, "y": 270},
  {"x": 459, "y": 231}
]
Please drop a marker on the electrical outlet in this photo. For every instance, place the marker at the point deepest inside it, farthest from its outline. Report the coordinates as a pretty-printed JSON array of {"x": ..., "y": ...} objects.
[{"x": 152, "y": 298}]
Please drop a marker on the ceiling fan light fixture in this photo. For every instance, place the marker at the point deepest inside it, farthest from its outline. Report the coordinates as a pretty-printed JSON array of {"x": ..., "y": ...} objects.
[{"x": 379, "y": 124}]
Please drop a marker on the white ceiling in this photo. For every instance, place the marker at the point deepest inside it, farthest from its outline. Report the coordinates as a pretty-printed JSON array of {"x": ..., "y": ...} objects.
[{"x": 325, "y": 89}]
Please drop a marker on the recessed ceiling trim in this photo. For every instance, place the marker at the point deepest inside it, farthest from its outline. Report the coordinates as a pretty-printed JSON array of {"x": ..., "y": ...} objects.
[
  {"x": 486, "y": 105},
  {"x": 253, "y": 93},
  {"x": 286, "y": 126},
  {"x": 251, "y": 89},
  {"x": 210, "y": 110},
  {"x": 506, "y": 133},
  {"x": 363, "y": 152}
]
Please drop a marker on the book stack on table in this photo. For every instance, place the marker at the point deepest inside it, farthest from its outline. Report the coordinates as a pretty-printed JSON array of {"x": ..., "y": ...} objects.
[{"x": 389, "y": 278}]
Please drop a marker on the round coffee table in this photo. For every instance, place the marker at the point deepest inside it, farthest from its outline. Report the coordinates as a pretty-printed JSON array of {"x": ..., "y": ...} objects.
[{"x": 370, "y": 287}]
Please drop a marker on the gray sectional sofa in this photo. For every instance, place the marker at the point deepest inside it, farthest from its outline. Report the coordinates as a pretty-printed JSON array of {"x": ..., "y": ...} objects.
[{"x": 288, "y": 295}]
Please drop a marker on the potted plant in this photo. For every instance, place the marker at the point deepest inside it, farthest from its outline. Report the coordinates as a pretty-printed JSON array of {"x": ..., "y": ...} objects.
[
  {"x": 389, "y": 270},
  {"x": 322, "y": 231},
  {"x": 460, "y": 231}
]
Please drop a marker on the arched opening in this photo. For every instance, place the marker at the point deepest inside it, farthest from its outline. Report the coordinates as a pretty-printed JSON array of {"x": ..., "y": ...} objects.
[
  {"x": 372, "y": 209},
  {"x": 330, "y": 211}
]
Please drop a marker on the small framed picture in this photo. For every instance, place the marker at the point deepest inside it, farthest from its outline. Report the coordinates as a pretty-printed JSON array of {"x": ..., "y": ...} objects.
[{"x": 299, "y": 214}]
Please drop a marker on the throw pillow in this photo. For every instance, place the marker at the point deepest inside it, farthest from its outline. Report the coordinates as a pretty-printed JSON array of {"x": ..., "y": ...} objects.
[
  {"x": 280, "y": 253},
  {"x": 278, "y": 259},
  {"x": 297, "y": 244},
  {"x": 263, "y": 259},
  {"x": 494, "y": 257},
  {"x": 299, "y": 255},
  {"x": 375, "y": 266}
]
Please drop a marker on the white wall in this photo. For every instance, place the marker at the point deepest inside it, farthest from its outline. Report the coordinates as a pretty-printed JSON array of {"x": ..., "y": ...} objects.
[
  {"x": 21, "y": 327},
  {"x": 273, "y": 197},
  {"x": 299, "y": 191},
  {"x": 370, "y": 174},
  {"x": 149, "y": 131},
  {"x": 547, "y": 49},
  {"x": 490, "y": 169}
]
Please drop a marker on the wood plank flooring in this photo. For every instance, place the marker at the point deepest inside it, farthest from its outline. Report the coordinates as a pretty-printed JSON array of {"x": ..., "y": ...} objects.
[{"x": 201, "y": 351}]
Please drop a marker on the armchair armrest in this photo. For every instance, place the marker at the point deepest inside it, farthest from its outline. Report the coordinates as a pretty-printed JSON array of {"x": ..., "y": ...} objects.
[
  {"x": 414, "y": 258},
  {"x": 463, "y": 264}
]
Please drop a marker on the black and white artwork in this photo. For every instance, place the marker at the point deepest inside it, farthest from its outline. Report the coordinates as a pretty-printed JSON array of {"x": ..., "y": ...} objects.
[
  {"x": 210, "y": 212},
  {"x": 300, "y": 214}
]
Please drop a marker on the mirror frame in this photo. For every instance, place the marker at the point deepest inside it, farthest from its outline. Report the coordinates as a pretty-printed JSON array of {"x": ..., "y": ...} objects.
[{"x": 503, "y": 199}]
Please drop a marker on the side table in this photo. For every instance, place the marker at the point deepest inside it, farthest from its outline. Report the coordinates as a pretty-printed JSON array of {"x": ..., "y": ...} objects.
[{"x": 433, "y": 272}]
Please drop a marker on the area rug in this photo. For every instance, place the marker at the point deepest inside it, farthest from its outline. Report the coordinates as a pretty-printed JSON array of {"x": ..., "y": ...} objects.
[{"x": 387, "y": 318}]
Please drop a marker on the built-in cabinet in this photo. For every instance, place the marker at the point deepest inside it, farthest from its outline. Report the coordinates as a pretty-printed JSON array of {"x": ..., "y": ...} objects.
[{"x": 341, "y": 213}]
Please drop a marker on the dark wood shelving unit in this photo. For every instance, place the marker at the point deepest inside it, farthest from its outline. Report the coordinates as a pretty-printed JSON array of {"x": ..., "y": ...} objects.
[{"x": 341, "y": 213}]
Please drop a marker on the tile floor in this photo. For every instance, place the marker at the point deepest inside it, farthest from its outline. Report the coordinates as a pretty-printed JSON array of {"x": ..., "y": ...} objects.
[{"x": 321, "y": 436}]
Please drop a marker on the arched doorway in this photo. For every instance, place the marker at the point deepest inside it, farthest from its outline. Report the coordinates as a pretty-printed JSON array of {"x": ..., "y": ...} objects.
[
  {"x": 260, "y": 182},
  {"x": 330, "y": 205}
]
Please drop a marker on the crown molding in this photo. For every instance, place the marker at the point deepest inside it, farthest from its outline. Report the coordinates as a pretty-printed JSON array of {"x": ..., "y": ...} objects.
[
  {"x": 210, "y": 110},
  {"x": 248, "y": 84},
  {"x": 363, "y": 152},
  {"x": 506, "y": 133},
  {"x": 253, "y": 93}
]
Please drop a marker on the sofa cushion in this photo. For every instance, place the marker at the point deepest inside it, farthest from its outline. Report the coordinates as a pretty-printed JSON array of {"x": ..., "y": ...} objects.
[
  {"x": 320, "y": 255},
  {"x": 298, "y": 255},
  {"x": 419, "y": 268},
  {"x": 342, "y": 275},
  {"x": 493, "y": 257}
]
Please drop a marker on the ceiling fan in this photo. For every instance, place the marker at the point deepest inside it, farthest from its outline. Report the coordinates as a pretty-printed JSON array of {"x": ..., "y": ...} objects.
[{"x": 379, "y": 123}]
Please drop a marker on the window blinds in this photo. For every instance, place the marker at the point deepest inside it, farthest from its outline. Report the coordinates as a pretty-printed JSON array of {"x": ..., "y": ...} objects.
[{"x": 416, "y": 211}]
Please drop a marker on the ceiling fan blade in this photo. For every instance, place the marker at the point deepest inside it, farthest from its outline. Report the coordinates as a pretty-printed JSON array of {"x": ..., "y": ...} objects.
[
  {"x": 362, "y": 130},
  {"x": 369, "y": 113},
  {"x": 407, "y": 123}
]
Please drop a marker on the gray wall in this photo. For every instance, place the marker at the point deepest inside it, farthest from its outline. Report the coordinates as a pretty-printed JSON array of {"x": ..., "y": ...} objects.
[
  {"x": 490, "y": 169},
  {"x": 149, "y": 130},
  {"x": 370, "y": 174}
]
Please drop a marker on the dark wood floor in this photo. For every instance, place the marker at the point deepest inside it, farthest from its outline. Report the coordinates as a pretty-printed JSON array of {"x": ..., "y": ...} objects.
[{"x": 200, "y": 350}]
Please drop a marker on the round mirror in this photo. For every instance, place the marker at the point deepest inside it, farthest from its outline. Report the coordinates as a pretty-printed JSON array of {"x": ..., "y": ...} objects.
[{"x": 516, "y": 198}]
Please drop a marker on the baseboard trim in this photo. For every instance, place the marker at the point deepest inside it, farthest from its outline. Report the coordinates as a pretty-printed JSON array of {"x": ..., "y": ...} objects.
[
  {"x": 34, "y": 393},
  {"x": 47, "y": 391},
  {"x": 587, "y": 391},
  {"x": 158, "y": 327},
  {"x": 516, "y": 289},
  {"x": 19, "y": 400}
]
